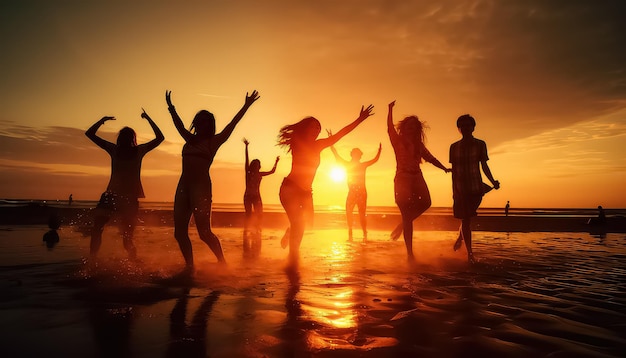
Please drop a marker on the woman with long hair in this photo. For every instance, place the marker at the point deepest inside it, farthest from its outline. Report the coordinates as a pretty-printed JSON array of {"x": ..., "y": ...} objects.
[
  {"x": 252, "y": 202},
  {"x": 296, "y": 194},
  {"x": 124, "y": 188},
  {"x": 410, "y": 189},
  {"x": 194, "y": 192}
]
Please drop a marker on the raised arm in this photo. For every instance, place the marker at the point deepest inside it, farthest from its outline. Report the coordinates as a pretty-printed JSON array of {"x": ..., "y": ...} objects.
[
  {"x": 247, "y": 166},
  {"x": 178, "y": 123},
  {"x": 91, "y": 134},
  {"x": 338, "y": 158},
  {"x": 372, "y": 161},
  {"x": 159, "y": 137},
  {"x": 334, "y": 138},
  {"x": 228, "y": 130},
  {"x": 273, "y": 168},
  {"x": 391, "y": 130}
]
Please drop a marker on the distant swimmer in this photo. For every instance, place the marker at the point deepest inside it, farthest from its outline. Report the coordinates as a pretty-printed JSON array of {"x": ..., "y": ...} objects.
[
  {"x": 124, "y": 188},
  {"x": 600, "y": 219},
  {"x": 506, "y": 208},
  {"x": 468, "y": 156},
  {"x": 51, "y": 238}
]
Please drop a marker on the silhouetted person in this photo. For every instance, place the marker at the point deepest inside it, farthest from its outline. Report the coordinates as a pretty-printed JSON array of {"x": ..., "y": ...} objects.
[
  {"x": 601, "y": 219},
  {"x": 70, "y": 200},
  {"x": 357, "y": 190},
  {"x": 468, "y": 156},
  {"x": 194, "y": 192},
  {"x": 410, "y": 189},
  {"x": 506, "y": 208},
  {"x": 296, "y": 194},
  {"x": 51, "y": 238},
  {"x": 252, "y": 197},
  {"x": 124, "y": 188}
]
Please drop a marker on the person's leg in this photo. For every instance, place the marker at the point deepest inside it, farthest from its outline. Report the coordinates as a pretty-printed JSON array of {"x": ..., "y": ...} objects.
[
  {"x": 350, "y": 203},
  {"x": 258, "y": 213},
  {"x": 128, "y": 222},
  {"x": 294, "y": 208},
  {"x": 466, "y": 229},
  {"x": 96, "y": 233},
  {"x": 202, "y": 217},
  {"x": 182, "y": 214},
  {"x": 247, "y": 205},
  {"x": 361, "y": 204}
]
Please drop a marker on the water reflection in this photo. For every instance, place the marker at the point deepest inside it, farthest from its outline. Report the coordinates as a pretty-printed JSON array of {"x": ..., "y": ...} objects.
[{"x": 190, "y": 340}]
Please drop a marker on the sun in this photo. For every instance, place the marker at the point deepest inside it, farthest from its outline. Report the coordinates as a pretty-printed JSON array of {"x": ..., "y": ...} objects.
[{"x": 337, "y": 174}]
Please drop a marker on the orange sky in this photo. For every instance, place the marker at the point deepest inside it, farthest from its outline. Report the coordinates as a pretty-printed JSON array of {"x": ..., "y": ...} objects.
[{"x": 546, "y": 84}]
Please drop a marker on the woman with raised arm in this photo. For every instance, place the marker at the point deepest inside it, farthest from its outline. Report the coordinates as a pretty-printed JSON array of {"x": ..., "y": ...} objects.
[
  {"x": 124, "y": 188},
  {"x": 194, "y": 192},
  {"x": 252, "y": 197},
  {"x": 296, "y": 194},
  {"x": 357, "y": 190},
  {"x": 410, "y": 189}
]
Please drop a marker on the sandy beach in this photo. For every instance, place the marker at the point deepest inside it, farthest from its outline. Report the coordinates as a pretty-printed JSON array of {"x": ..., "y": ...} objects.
[{"x": 531, "y": 294}]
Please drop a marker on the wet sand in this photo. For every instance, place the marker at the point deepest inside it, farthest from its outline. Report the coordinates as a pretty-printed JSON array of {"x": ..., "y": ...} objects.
[{"x": 560, "y": 294}]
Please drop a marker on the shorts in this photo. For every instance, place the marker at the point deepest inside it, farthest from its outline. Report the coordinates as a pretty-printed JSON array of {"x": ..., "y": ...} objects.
[{"x": 465, "y": 206}]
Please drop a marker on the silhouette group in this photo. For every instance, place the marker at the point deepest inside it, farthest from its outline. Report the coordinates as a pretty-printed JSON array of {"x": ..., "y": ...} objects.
[{"x": 194, "y": 191}]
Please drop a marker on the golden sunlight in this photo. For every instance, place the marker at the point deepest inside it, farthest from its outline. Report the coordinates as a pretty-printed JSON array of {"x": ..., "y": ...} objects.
[{"x": 337, "y": 174}]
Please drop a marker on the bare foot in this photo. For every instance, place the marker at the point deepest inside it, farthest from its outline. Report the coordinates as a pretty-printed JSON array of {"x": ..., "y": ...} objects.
[
  {"x": 458, "y": 243},
  {"x": 395, "y": 234},
  {"x": 284, "y": 242}
]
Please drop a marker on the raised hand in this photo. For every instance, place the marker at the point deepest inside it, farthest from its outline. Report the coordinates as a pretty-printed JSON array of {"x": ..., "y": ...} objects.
[
  {"x": 252, "y": 97},
  {"x": 366, "y": 112},
  {"x": 246, "y": 142},
  {"x": 277, "y": 159},
  {"x": 144, "y": 114},
  {"x": 168, "y": 98},
  {"x": 107, "y": 118}
]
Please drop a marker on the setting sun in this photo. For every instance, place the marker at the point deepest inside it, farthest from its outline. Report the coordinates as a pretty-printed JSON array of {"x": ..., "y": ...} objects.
[{"x": 337, "y": 174}]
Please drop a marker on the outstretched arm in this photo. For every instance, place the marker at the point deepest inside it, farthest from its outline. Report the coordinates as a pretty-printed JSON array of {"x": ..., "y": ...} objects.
[
  {"x": 391, "y": 130},
  {"x": 91, "y": 134},
  {"x": 273, "y": 168},
  {"x": 487, "y": 171},
  {"x": 327, "y": 142},
  {"x": 247, "y": 166},
  {"x": 157, "y": 132},
  {"x": 370, "y": 162},
  {"x": 228, "y": 130},
  {"x": 178, "y": 123},
  {"x": 434, "y": 161}
]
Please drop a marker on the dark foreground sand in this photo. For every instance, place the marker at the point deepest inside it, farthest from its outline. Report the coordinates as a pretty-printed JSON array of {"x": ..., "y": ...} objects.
[{"x": 556, "y": 294}]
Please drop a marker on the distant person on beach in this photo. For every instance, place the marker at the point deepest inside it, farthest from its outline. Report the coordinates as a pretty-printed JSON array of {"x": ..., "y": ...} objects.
[
  {"x": 194, "y": 193},
  {"x": 468, "y": 156},
  {"x": 357, "y": 190},
  {"x": 70, "y": 200},
  {"x": 51, "y": 238},
  {"x": 506, "y": 208},
  {"x": 296, "y": 193},
  {"x": 410, "y": 189},
  {"x": 252, "y": 202},
  {"x": 124, "y": 188},
  {"x": 601, "y": 219}
]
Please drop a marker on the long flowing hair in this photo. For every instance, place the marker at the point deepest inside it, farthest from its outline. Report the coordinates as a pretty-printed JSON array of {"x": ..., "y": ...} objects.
[
  {"x": 293, "y": 132},
  {"x": 419, "y": 136},
  {"x": 203, "y": 115}
]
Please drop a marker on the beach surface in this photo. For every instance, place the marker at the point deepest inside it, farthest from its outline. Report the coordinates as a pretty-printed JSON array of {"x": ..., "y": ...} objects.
[{"x": 531, "y": 294}]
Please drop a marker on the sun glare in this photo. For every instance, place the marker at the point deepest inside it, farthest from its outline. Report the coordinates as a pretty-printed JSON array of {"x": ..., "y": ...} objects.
[{"x": 337, "y": 174}]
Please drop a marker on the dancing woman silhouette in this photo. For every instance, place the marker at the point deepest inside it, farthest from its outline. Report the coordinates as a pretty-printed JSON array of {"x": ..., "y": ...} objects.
[
  {"x": 296, "y": 194},
  {"x": 124, "y": 188},
  {"x": 194, "y": 191},
  {"x": 252, "y": 202}
]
